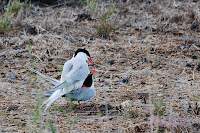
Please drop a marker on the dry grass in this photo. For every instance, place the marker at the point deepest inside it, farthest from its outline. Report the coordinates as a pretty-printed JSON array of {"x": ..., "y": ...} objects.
[{"x": 145, "y": 48}]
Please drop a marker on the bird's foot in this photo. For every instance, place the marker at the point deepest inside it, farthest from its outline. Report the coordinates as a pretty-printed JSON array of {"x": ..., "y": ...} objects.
[{"x": 80, "y": 104}]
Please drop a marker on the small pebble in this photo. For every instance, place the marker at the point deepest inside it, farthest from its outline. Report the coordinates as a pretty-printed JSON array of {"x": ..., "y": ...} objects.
[
  {"x": 188, "y": 65},
  {"x": 2, "y": 75},
  {"x": 194, "y": 26},
  {"x": 143, "y": 59},
  {"x": 16, "y": 48},
  {"x": 92, "y": 37},
  {"x": 152, "y": 49},
  {"x": 183, "y": 46},
  {"x": 25, "y": 83},
  {"x": 19, "y": 47},
  {"x": 198, "y": 68},
  {"x": 11, "y": 107},
  {"x": 111, "y": 62},
  {"x": 138, "y": 20},
  {"x": 12, "y": 75},
  {"x": 194, "y": 57},
  {"x": 122, "y": 81},
  {"x": 190, "y": 79},
  {"x": 103, "y": 107},
  {"x": 159, "y": 95},
  {"x": 31, "y": 30}
]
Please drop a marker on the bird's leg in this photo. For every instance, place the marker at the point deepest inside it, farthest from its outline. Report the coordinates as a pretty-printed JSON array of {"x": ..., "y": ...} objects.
[{"x": 79, "y": 103}]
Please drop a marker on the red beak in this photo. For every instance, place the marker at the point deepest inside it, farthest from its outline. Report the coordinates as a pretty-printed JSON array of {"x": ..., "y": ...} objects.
[
  {"x": 91, "y": 61},
  {"x": 93, "y": 71}
]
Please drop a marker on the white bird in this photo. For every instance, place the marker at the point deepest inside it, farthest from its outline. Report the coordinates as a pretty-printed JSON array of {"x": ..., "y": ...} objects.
[{"x": 74, "y": 73}]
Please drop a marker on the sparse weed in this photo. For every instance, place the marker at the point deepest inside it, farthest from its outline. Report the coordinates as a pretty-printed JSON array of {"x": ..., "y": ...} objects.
[
  {"x": 104, "y": 26},
  {"x": 90, "y": 4},
  {"x": 13, "y": 7},
  {"x": 130, "y": 109},
  {"x": 159, "y": 109},
  {"x": 4, "y": 20},
  {"x": 25, "y": 3}
]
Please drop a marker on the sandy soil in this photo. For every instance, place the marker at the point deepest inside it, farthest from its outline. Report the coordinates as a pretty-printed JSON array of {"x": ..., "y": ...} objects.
[{"x": 152, "y": 53}]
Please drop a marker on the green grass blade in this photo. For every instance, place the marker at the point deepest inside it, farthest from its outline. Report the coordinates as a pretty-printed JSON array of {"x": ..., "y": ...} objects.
[
  {"x": 93, "y": 3},
  {"x": 37, "y": 112},
  {"x": 9, "y": 26},
  {"x": 88, "y": 3},
  {"x": 51, "y": 126},
  {"x": 30, "y": 53},
  {"x": 83, "y": 3},
  {"x": 9, "y": 9},
  {"x": 198, "y": 97}
]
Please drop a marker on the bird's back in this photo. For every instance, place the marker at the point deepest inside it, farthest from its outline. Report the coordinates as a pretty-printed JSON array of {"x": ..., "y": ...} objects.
[{"x": 75, "y": 72}]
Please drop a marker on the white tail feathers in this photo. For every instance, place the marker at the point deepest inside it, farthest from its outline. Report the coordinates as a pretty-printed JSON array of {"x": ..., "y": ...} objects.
[{"x": 52, "y": 98}]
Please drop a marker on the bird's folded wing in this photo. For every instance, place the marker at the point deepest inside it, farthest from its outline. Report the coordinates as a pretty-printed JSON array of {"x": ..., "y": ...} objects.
[
  {"x": 52, "y": 90},
  {"x": 78, "y": 72},
  {"x": 52, "y": 80}
]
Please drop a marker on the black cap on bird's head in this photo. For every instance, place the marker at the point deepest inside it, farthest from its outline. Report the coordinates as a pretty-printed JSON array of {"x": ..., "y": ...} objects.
[
  {"x": 86, "y": 52},
  {"x": 82, "y": 50}
]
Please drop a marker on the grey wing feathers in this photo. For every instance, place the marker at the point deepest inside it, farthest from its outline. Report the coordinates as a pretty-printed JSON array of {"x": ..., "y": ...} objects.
[
  {"x": 49, "y": 92},
  {"x": 60, "y": 86}
]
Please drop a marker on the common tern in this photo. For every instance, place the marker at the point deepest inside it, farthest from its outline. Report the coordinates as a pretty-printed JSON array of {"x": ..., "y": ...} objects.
[{"x": 74, "y": 74}]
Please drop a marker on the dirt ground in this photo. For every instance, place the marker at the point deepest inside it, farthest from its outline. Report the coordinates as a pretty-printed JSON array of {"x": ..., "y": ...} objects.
[{"x": 153, "y": 52}]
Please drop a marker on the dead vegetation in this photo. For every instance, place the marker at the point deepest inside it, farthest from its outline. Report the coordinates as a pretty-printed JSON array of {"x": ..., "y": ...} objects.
[{"x": 152, "y": 52}]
